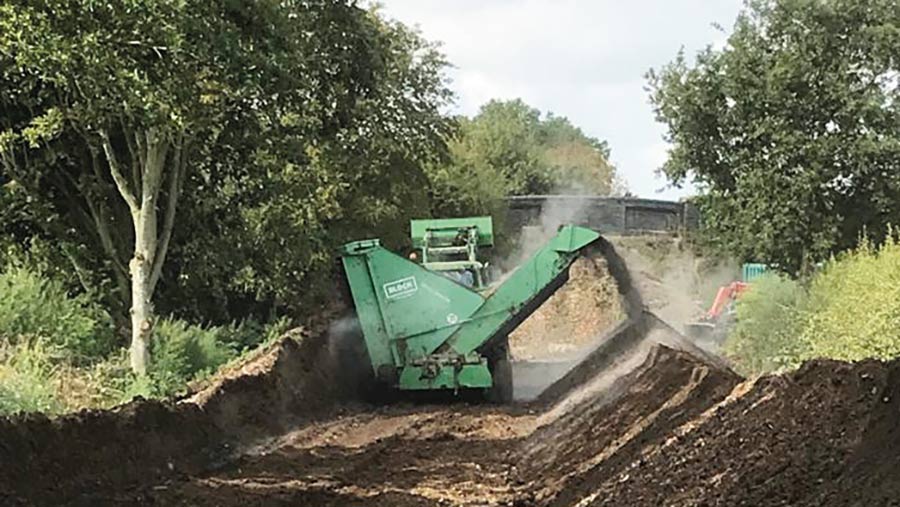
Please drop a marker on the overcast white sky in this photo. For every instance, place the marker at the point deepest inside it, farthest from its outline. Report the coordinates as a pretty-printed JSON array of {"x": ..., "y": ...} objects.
[{"x": 583, "y": 59}]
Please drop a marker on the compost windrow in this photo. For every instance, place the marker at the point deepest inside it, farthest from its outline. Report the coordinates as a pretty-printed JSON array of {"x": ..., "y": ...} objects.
[{"x": 680, "y": 431}]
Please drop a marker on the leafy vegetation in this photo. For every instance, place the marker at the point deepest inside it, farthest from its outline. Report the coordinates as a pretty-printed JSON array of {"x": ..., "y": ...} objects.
[
  {"x": 510, "y": 148},
  {"x": 533, "y": 154},
  {"x": 25, "y": 375},
  {"x": 857, "y": 309},
  {"x": 35, "y": 307},
  {"x": 791, "y": 129},
  {"x": 51, "y": 359},
  {"x": 848, "y": 310},
  {"x": 770, "y": 321}
]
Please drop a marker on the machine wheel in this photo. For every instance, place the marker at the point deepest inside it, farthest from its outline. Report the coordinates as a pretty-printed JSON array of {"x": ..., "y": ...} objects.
[{"x": 501, "y": 371}]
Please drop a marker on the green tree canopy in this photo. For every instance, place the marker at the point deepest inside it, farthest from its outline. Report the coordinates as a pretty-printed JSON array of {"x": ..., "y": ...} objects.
[
  {"x": 265, "y": 236},
  {"x": 792, "y": 130},
  {"x": 274, "y": 119},
  {"x": 510, "y": 148}
]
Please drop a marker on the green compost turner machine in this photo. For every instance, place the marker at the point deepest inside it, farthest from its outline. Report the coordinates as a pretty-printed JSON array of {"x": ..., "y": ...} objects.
[{"x": 433, "y": 321}]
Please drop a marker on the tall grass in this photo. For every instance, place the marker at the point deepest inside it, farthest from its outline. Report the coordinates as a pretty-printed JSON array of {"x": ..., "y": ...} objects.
[{"x": 25, "y": 375}]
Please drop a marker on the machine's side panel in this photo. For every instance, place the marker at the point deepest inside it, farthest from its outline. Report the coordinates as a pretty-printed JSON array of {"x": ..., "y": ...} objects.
[
  {"x": 370, "y": 317},
  {"x": 421, "y": 308},
  {"x": 406, "y": 312}
]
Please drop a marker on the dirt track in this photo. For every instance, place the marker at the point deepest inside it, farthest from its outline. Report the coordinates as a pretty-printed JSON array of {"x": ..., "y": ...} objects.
[{"x": 637, "y": 423}]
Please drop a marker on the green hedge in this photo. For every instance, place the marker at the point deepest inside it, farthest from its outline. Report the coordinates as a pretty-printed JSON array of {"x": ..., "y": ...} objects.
[
  {"x": 857, "y": 306},
  {"x": 849, "y": 310}
]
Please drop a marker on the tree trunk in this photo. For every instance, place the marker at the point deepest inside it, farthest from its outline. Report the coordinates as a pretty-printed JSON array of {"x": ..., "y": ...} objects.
[
  {"x": 141, "y": 313},
  {"x": 141, "y": 268},
  {"x": 149, "y": 249}
]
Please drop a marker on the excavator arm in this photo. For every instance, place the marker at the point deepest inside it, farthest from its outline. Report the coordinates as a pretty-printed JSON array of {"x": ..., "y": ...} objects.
[{"x": 724, "y": 297}]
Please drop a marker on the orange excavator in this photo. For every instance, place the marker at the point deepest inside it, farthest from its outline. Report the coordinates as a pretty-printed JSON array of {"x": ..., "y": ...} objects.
[{"x": 714, "y": 325}]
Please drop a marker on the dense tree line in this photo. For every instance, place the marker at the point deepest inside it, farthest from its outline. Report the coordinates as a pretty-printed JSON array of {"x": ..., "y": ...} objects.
[
  {"x": 792, "y": 129},
  {"x": 203, "y": 159}
]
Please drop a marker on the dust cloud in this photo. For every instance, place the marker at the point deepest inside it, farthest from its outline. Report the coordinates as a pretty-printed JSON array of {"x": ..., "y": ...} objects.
[
  {"x": 347, "y": 352},
  {"x": 676, "y": 284},
  {"x": 562, "y": 210}
]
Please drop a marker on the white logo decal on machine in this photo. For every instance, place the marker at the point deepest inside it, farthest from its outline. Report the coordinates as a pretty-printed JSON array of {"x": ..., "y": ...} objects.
[{"x": 402, "y": 288}]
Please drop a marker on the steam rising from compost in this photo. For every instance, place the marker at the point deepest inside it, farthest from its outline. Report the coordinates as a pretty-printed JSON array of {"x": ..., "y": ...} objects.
[{"x": 560, "y": 210}]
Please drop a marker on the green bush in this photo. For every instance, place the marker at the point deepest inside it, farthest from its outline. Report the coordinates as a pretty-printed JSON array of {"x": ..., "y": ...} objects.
[
  {"x": 37, "y": 376},
  {"x": 851, "y": 311},
  {"x": 857, "y": 301},
  {"x": 180, "y": 352},
  {"x": 249, "y": 334},
  {"x": 32, "y": 305},
  {"x": 26, "y": 379},
  {"x": 770, "y": 319}
]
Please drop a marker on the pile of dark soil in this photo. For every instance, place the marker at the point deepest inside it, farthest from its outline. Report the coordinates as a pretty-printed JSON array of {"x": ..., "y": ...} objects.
[
  {"x": 827, "y": 434},
  {"x": 563, "y": 461},
  {"x": 85, "y": 456},
  {"x": 463, "y": 454},
  {"x": 294, "y": 380},
  {"x": 677, "y": 430},
  {"x": 88, "y": 454}
]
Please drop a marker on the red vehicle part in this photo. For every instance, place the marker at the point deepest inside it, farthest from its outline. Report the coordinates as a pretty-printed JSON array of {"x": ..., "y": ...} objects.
[
  {"x": 724, "y": 297},
  {"x": 713, "y": 326}
]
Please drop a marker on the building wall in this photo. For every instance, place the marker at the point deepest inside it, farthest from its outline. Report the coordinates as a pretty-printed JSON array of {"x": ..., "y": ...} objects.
[{"x": 610, "y": 215}]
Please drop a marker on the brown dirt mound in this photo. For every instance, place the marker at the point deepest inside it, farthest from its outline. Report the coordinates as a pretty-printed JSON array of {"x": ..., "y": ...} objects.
[
  {"x": 678, "y": 430},
  {"x": 827, "y": 434},
  {"x": 595, "y": 439},
  {"x": 296, "y": 379},
  {"x": 49, "y": 461},
  {"x": 455, "y": 454}
]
